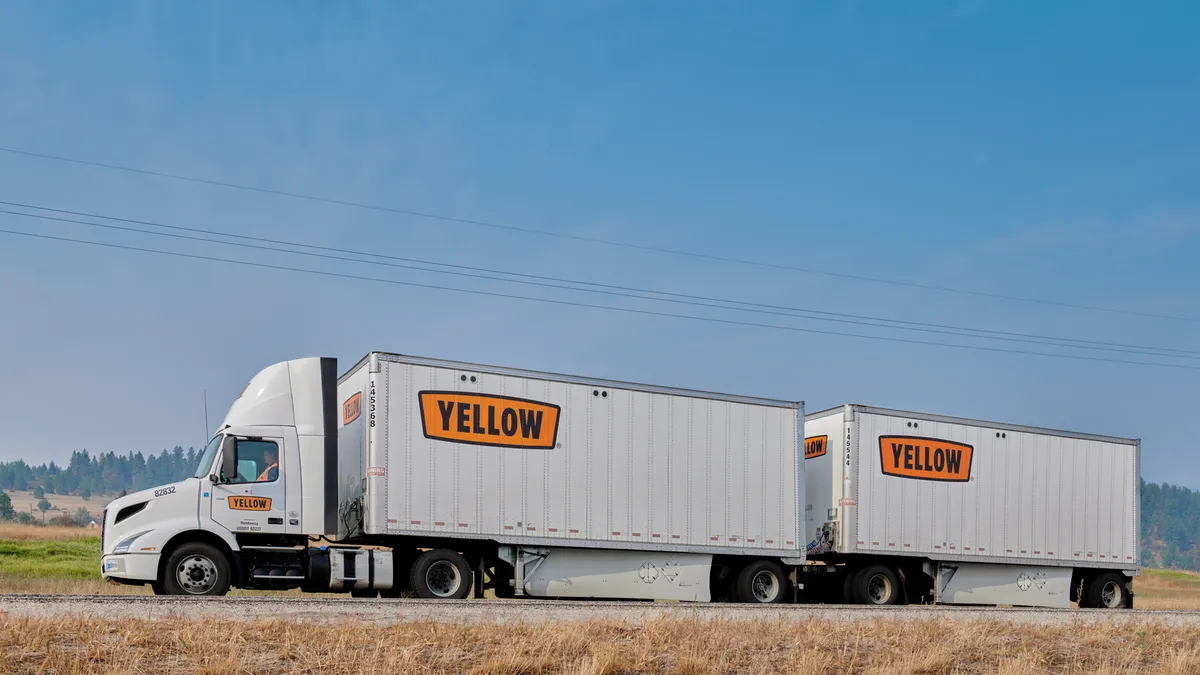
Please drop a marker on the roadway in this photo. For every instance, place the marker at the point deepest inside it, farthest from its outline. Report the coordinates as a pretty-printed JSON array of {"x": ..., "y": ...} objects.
[{"x": 383, "y": 612}]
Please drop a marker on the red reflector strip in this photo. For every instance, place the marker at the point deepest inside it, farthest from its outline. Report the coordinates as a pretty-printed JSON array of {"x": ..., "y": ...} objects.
[
  {"x": 616, "y": 534},
  {"x": 1049, "y": 552},
  {"x": 874, "y": 543},
  {"x": 637, "y": 534},
  {"x": 750, "y": 540},
  {"x": 1037, "y": 552},
  {"x": 966, "y": 548},
  {"x": 674, "y": 536},
  {"x": 554, "y": 529},
  {"x": 712, "y": 538},
  {"x": 655, "y": 536},
  {"x": 770, "y": 541},
  {"x": 462, "y": 525},
  {"x": 415, "y": 522},
  {"x": 573, "y": 532},
  {"x": 891, "y": 544},
  {"x": 1010, "y": 550},
  {"x": 935, "y": 545},
  {"x": 952, "y": 548},
  {"x": 979, "y": 549},
  {"x": 392, "y": 520},
  {"x": 790, "y": 543},
  {"x": 733, "y": 539},
  {"x": 508, "y": 527},
  {"x": 531, "y": 529},
  {"x": 1076, "y": 555},
  {"x": 438, "y": 523},
  {"x": 908, "y": 546}
]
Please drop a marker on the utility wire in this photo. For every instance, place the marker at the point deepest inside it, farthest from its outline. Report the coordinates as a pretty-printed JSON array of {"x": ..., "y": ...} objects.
[
  {"x": 581, "y": 238},
  {"x": 585, "y": 290},
  {"x": 705, "y": 301},
  {"x": 628, "y": 310}
]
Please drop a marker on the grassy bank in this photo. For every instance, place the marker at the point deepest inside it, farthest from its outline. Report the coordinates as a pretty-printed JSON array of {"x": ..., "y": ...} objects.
[{"x": 664, "y": 646}]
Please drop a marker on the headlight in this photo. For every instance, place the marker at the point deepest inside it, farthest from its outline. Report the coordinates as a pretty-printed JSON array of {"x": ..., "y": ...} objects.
[{"x": 124, "y": 544}]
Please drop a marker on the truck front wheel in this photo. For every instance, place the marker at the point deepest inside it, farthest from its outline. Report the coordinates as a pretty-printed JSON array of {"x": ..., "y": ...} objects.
[
  {"x": 196, "y": 569},
  {"x": 441, "y": 574}
]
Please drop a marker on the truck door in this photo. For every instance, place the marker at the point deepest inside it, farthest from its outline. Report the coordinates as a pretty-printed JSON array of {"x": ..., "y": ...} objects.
[{"x": 250, "y": 496}]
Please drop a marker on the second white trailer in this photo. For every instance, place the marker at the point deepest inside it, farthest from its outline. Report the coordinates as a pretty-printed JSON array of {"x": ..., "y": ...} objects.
[{"x": 970, "y": 512}]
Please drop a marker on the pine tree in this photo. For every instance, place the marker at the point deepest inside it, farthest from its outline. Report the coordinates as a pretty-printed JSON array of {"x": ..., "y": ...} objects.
[{"x": 6, "y": 507}]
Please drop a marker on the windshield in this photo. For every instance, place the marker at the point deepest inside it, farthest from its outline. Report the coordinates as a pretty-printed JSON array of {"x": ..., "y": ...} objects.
[{"x": 206, "y": 458}]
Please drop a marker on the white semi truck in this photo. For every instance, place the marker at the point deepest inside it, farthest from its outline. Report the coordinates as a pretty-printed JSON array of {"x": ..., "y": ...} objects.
[
  {"x": 904, "y": 507},
  {"x": 443, "y": 479}
]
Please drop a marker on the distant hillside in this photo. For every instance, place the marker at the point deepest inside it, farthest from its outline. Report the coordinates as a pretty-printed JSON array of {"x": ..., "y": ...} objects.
[{"x": 1170, "y": 514}]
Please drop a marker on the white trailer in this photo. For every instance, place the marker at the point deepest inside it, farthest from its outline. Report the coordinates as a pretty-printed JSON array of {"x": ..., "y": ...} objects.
[
  {"x": 910, "y": 506},
  {"x": 438, "y": 478}
]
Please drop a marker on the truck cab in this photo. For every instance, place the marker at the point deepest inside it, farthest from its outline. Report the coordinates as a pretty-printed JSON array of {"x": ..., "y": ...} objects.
[{"x": 245, "y": 516}]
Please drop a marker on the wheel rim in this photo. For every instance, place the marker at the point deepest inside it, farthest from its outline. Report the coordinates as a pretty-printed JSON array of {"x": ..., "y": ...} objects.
[
  {"x": 879, "y": 589},
  {"x": 196, "y": 574},
  {"x": 1110, "y": 595},
  {"x": 764, "y": 586},
  {"x": 443, "y": 579}
]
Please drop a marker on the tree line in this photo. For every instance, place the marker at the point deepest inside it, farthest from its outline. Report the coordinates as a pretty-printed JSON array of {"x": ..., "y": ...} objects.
[
  {"x": 1170, "y": 515},
  {"x": 108, "y": 473}
]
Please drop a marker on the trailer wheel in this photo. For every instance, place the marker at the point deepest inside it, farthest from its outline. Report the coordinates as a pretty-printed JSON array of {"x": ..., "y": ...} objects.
[
  {"x": 761, "y": 582},
  {"x": 1106, "y": 591},
  {"x": 196, "y": 568},
  {"x": 441, "y": 574},
  {"x": 876, "y": 585}
]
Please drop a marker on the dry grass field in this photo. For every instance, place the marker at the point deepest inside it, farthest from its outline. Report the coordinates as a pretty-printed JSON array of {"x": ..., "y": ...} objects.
[
  {"x": 75, "y": 645},
  {"x": 23, "y": 500},
  {"x": 66, "y": 560}
]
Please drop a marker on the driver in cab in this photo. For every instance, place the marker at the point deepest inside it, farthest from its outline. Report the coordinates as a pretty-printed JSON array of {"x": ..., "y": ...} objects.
[{"x": 271, "y": 457}]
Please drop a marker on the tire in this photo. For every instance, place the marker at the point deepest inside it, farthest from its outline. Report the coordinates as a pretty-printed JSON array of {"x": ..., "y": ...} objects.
[
  {"x": 157, "y": 587},
  {"x": 1106, "y": 591},
  {"x": 848, "y": 596},
  {"x": 441, "y": 574},
  {"x": 196, "y": 568},
  {"x": 876, "y": 585},
  {"x": 761, "y": 582}
]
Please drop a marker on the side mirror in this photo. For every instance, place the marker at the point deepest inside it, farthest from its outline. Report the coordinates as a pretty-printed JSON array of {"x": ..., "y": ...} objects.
[
  {"x": 228, "y": 458},
  {"x": 212, "y": 478}
]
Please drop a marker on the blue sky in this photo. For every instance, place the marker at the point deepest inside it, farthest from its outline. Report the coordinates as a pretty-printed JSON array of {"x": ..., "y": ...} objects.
[{"x": 1017, "y": 148}]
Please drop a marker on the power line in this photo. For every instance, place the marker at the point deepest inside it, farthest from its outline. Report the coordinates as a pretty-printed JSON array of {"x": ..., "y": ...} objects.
[
  {"x": 628, "y": 310},
  {"x": 591, "y": 240},
  {"x": 761, "y": 308},
  {"x": 589, "y": 290}
]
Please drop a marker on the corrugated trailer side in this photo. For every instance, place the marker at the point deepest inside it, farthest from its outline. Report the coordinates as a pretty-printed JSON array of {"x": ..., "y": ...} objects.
[
  {"x": 976, "y": 495},
  {"x": 1003, "y": 493},
  {"x": 625, "y": 466}
]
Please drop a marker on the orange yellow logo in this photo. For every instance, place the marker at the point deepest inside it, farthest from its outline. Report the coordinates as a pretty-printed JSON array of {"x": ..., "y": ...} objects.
[
  {"x": 250, "y": 503},
  {"x": 352, "y": 408},
  {"x": 925, "y": 458},
  {"x": 481, "y": 419},
  {"x": 815, "y": 446}
]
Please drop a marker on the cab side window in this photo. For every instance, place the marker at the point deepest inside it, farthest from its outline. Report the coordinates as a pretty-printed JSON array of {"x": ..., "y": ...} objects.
[{"x": 256, "y": 462}]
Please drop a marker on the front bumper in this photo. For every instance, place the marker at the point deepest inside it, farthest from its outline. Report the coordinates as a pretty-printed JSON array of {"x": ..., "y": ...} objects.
[{"x": 139, "y": 566}]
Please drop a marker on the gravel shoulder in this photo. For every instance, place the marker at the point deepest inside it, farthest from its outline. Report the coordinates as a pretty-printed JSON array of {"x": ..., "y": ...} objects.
[{"x": 387, "y": 612}]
